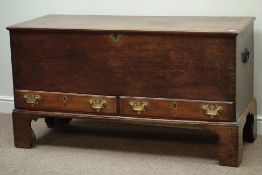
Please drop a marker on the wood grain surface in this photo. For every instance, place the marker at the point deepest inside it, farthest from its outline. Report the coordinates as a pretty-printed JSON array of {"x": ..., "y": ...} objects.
[
  {"x": 146, "y": 65},
  {"x": 189, "y": 60},
  {"x": 184, "y": 109},
  {"x": 230, "y": 134},
  {"x": 177, "y": 24},
  {"x": 54, "y": 101}
]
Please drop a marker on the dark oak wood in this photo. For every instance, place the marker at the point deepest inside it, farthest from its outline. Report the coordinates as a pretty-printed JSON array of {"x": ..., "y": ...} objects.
[
  {"x": 230, "y": 148},
  {"x": 230, "y": 134},
  {"x": 244, "y": 71},
  {"x": 163, "y": 68},
  {"x": 158, "y": 107},
  {"x": 183, "y": 109},
  {"x": 190, "y": 60},
  {"x": 174, "y": 24},
  {"x": 54, "y": 101},
  {"x": 24, "y": 136}
]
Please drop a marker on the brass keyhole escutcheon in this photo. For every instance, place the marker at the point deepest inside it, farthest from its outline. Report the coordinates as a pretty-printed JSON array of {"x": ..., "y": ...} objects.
[
  {"x": 32, "y": 99},
  {"x": 212, "y": 110},
  {"x": 173, "y": 106},
  {"x": 64, "y": 99},
  {"x": 138, "y": 106},
  {"x": 115, "y": 37},
  {"x": 97, "y": 104}
]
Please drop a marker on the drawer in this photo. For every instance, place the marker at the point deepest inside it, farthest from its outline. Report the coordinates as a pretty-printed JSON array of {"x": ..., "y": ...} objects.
[
  {"x": 176, "y": 109},
  {"x": 69, "y": 102}
]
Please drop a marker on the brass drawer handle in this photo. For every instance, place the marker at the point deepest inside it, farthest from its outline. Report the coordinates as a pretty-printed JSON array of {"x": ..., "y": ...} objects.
[
  {"x": 212, "y": 110},
  {"x": 97, "y": 104},
  {"x": 138, "y": 106},
  {"x": 32, "y": 99}
]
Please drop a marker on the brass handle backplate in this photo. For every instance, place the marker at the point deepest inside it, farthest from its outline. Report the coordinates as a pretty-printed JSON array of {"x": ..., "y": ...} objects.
[
  {"x": 212, "y": 110},
  {"x": 97, "y": 104},
  {"x": 32, "y": 99},
  {"x": 138, "y": 106},
  {"x": 115, "y": 37}
]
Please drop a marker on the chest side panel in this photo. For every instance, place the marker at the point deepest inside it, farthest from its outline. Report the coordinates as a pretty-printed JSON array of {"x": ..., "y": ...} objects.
[
  {"x": 141, "y": 64},
  {"x": 245, "y": 69}
]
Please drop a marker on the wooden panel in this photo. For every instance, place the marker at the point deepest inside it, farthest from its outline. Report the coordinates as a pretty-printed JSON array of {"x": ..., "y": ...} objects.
[
  {"x": 226, "y": 25},
  {"x": 244, "y": 71},
  {"x": 147, "y": 65},
  {"x": 176, "y": 109},
  {"x": 54, "y": 101},
  {"x": 181, "y": 63}
]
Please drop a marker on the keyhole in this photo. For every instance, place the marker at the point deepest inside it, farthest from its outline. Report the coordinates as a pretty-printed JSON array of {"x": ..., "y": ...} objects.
[
  {"x": 116, "y": 38},
  {"x": 174, "y": 106},
  {"x": 65, "y": 99}
]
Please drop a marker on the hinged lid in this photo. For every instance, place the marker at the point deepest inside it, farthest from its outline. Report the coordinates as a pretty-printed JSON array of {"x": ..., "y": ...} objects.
[{"x": 222, "y": 25}]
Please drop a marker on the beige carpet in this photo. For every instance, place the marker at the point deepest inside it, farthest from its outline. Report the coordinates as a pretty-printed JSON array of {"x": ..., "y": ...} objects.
[{"x": 118, "y": 149}]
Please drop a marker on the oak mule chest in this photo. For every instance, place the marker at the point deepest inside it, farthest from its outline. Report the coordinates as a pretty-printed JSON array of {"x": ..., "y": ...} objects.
[{"x": 163, "y": 71}]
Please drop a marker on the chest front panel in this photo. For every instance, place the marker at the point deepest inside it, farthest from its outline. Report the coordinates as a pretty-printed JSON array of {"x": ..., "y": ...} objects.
[{"x": 131, "y": 64}]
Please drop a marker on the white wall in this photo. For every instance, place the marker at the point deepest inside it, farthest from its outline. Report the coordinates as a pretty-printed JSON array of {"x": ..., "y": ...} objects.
[{"x": 14, "y": 11}]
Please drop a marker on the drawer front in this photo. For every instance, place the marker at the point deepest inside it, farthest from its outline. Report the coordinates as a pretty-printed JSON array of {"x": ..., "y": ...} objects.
[
  {"x": 68, "y": 102},
  {"x": 126, "y": 64},
  {"x": 177, "y": 109}
]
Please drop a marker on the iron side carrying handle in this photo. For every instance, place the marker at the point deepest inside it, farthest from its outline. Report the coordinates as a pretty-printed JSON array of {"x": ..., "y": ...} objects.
[{"x": 245, "y": 55}]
